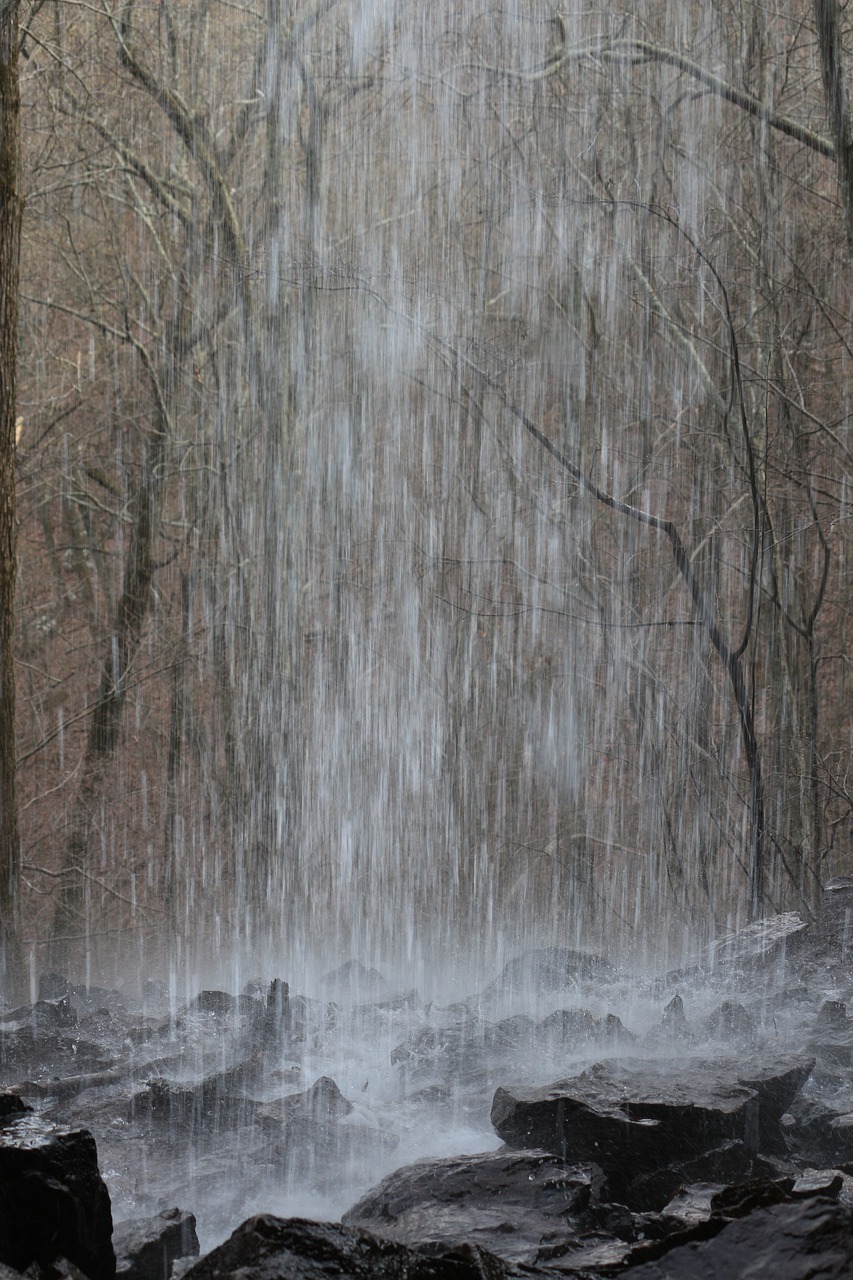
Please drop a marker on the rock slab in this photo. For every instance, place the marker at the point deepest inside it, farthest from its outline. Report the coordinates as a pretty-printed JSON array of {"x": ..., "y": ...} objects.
[
  {"x": 53, "y": 1201},
  {"x": 146, "y": 1248},
  {"x": 810, "y": 1240},
  {"x": 635, "y": 1118},
  {"x": 516, "y": 1204},
  {"x": 268, "y": 1248}
]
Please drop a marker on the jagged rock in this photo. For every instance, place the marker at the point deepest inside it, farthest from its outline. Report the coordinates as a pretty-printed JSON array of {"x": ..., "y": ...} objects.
[
  {"x": 202, "y": 1109},
  {"x": 646, "y": 1123},
  {"x": 12, "y": 1105},
  {"x": 462, "y": 1046},
  {"x": 819, "y": 1182},
  {"x": 218, "y": 1003},
  {"x": 790, "y": 1241},
  {"x": 312, "y": 1126},
  {"x": 266, "y": 1247},
  {"x": 819, "y": 1131},
  {"x": 146, "y": 1248},
  {"x": 355, "y": 983},
  {"x": 320, "y": 1104},
  {"x": 549, "y": 969},
  {"x": 567, "y": 1028},
  {"x": 758, "y": 943},
  {"x": 674, "y": 1019},
  {"x": 53, "y": 1202},
  {"x": 730, "y": 1022},
  {"x": 777, "y": 1082},
  {"x": 831, "y": 1039},
  {"x": 514, "y": 1203}
]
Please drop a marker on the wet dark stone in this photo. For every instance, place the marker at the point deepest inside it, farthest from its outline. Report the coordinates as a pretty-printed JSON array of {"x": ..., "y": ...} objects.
[
  {"x": 549, "y": 969},
  {"x": 218, "y": 1003},
  {"x": 320, "y": 1104},
  {"x": 514, "y": 1203},
  {"x": 759, "y": 944},
  {"x": 649, "y": 1125},
  {"x": 200, "y": 1109},
  {"x": 146, "y": 1248},
  {"x": 674, "y": 1019},
  {"x": 730, "y": 1021},
  {"x": 268, "y": 1248},
  {"x": 462, "y": 1045},
  {"x": 53, "y": 1202},
  {"x": 777, "y": 1082},
  {"x": 12, "y": 1105},
  {"x": 567, "y": 1028},
  {"x": 791, "y": 1241},
  {"x": 354, "y": 981},
  {"x": 819, "y": 1182},
  {"x": 831, "y": 1039},
  {"x": 731, "y": 1162},
  {"x": 831, "y": 1016},
  {"x": 821, "y": 1131}
]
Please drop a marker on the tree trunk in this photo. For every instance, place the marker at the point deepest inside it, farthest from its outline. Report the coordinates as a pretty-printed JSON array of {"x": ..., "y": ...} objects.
[{"x": 11, "y": 964}]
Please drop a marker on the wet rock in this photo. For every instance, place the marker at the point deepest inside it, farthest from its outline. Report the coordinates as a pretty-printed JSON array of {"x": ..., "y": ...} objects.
[
  {"x": 647, "y": 1124},
  {"x": 313, "y": 1129},
  {"x": 320, "y": 1104},
  {"x": 831, "y": 1039},
  {"x": 462, "y": 1046},
  {"x": 265, "y": 1247},
  {"x": 618, "y": 1112},
  {"x": 517, "y": 1204},
  {"x": 777, "y": 1082},
  {"x": 53, "y": 1202},
  {"x": 819, "y": 1129},
  {"x": 146, "y": 1248},
  {"x": 674, "y": 1019},
  {"x": 789, "y": 1241},
  {"x": 218, "y": 1003},
  {"x": 758, "y": 943},
  {"x": 549, "y": 969},
  {"x": 819, "y": 1182},
  {"x": 567, "y": 1029},
  {"x": 730, "y": 1022},
  {"x": 12, "y": 1105},
  {"x": 831, "y": 1016},
  {"x": 201, "y": 1110},
  {"x": 354, "y": 983}
]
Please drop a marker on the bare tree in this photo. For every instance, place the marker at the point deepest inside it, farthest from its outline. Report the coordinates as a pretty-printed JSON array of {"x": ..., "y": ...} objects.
[{"x": 11, "y": 966}]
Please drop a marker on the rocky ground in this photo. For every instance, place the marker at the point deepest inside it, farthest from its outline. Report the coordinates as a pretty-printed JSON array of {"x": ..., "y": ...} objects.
[{"x": 572, "y": 1122}]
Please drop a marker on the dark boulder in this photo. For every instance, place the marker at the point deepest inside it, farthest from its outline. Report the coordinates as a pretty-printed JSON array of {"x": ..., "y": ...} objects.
[
  {"x": 266, "y": 1248},
  {"x": 146, "y": 1248},
  {"x": 641, "y": 1119},
  {"x": 549, "y": 969},
  {"x": 464, "y": 1046},
  {"x": 323, "y": 1103},
  {"x": 53, "y": 1202},
  {"x": 218, "y": 1003},
  {"x": 514, "y": 1203},
  {"x": 731, "y": 1021},
  {"x": 790, "y": 1241}
]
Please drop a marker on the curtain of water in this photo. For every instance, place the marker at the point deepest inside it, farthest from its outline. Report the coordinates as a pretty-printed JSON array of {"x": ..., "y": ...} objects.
[{"x": 435, "y": 695}]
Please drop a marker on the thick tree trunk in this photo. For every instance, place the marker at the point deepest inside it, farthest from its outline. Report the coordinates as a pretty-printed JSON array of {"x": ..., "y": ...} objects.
[
  {"x": 71, "y": 922},
  {"x": 11, "y": 967},
  {"x": 832, "y": 64}
]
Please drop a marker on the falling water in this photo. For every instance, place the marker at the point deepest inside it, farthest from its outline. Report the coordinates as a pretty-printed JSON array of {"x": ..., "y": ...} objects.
[{"x": 390, "y": 318}]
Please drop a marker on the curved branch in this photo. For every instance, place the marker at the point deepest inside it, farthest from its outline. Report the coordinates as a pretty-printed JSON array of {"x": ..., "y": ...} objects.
[{"x": 637, "y": 52}]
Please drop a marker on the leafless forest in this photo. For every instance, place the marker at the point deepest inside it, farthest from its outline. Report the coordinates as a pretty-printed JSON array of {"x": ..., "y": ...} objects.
[{"x": 433, "y": 475}]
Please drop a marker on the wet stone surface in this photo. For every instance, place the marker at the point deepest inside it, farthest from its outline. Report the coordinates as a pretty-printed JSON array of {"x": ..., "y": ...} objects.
[{"x": 641, "y": 1117}]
